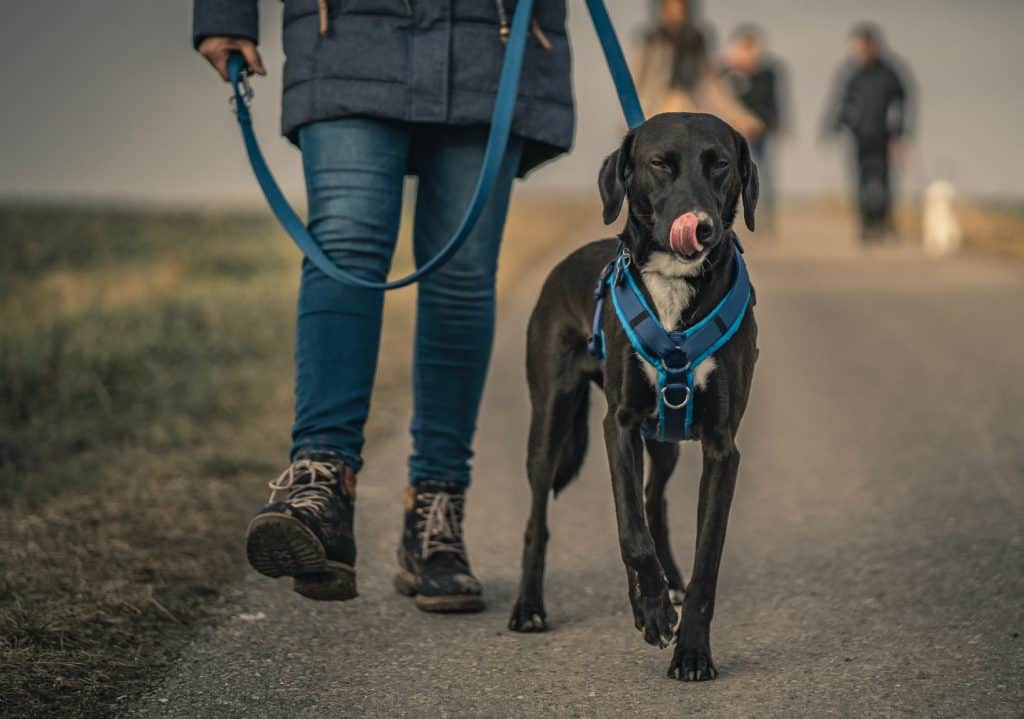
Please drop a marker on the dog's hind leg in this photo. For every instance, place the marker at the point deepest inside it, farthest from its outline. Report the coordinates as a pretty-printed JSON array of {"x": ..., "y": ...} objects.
[
  {"x": 558, "y": 443},
  {"x": 664, "y": 456}
]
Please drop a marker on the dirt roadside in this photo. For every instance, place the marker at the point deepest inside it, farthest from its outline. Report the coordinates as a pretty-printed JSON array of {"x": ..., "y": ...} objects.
[{"x": 145, "y": 404}]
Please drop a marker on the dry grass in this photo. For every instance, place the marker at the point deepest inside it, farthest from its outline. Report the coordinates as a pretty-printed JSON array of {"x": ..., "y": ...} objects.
[
  {"x": 130, "y": 346},
  {"x": 145, "y": 401},
  {"x": 996, "y": 229}
]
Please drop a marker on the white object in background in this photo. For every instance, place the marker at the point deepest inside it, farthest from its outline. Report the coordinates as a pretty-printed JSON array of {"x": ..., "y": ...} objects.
[{"x": 941, "y": 229}]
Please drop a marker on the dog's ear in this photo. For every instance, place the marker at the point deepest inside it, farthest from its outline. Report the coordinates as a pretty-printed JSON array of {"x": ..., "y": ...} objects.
[
  {"x": 750, "y": 185},
  {"x": 612, "y": 180}
]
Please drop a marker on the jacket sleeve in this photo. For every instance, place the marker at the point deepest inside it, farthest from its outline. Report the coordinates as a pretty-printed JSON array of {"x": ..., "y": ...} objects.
[{"x": 237, "y": 18}]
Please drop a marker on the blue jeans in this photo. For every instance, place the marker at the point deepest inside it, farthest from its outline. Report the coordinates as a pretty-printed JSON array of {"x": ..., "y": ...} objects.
[{"x": 354, "y": 170}]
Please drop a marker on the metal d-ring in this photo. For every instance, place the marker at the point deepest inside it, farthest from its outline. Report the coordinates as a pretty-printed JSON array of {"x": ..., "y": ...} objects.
[
  {"x": 674, "y": 370},
  {"x": 670, "y": 405}
]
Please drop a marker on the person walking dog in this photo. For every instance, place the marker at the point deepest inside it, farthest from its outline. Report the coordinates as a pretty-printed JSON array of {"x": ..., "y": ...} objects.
[
  {"x": 871, "y": 102},
  {"x": 375, "y": 90}
]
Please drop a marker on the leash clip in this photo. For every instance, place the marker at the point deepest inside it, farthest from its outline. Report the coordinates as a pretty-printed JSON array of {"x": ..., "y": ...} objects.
[
  {"x": 246, "y": 93},
  {"x": 622, "y": 263},
  {"x": 627, "y": 258}
]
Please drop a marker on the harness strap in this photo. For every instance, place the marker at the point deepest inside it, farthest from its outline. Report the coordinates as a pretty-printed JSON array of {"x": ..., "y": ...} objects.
[
  {"x": 497, "y": 142},
  {"x": 595, "y": 343}
]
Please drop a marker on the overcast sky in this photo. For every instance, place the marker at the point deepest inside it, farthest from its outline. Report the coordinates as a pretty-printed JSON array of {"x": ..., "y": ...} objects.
[{"x": 106, "y": 100}]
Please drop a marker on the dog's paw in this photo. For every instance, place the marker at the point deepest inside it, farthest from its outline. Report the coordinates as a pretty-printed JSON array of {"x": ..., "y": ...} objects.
[
  {"x": 656, "y": 618},
  {"x": 527, "y": 618},
  {"x": 692, "y": 664}
]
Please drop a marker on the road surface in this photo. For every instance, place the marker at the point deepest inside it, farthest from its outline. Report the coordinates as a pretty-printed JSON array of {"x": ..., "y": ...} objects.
[{"x": 874, "y": 565}]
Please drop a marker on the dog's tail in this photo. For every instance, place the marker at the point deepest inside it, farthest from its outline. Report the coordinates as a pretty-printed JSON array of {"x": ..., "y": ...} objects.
[{"x": 574, "y": 441}]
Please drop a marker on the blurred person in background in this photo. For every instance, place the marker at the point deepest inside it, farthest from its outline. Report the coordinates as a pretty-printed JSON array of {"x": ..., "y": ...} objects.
[
  {"x": 871, "y": 103},
  {"x": 676, "y": 73},
  {"x": 373, "y": 91},
  {"x": 758, "y": 82}
]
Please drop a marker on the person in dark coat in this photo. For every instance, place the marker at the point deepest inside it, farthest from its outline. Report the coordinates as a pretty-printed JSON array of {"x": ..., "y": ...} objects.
[
  {"x": 872, "y": 104},
  {"x": 758, "y": 81},
  {"x": 375, "y": 90}
]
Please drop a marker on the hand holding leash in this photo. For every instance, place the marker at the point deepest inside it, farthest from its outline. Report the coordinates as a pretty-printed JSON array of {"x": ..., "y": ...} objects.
[{"x": 217, "y": 50}]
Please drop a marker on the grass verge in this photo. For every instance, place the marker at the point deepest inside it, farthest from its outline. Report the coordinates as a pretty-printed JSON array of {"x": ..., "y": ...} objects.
[
  {"x": 145, "y": 401},
  {"x": 994, "y": 228}
]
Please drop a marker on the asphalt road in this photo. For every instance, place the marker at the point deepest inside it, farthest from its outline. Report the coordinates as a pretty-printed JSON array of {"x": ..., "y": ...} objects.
[{"x": 874, "y": 565}]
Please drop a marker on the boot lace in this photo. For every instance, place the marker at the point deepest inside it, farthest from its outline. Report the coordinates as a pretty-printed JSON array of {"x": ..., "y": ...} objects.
[
  {"x": 440, "y": 523},
  {"x": 313, "y": 494}
]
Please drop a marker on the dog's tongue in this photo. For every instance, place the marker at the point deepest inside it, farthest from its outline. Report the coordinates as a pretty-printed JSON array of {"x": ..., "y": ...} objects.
[{"x": 683, "y": 235}]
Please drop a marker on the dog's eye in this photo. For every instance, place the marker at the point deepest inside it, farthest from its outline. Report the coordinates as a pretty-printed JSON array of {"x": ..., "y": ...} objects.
[
  {"x": 659, "y": 164},
  {"x": 720, "y": 166}
]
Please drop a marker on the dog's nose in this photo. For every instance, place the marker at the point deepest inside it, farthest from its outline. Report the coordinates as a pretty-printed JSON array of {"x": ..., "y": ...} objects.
[{"x": 705, "y": 228}]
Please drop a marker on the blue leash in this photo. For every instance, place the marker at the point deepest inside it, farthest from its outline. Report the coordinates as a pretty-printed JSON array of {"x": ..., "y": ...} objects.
[
  {"x": 497, "y": 142},
  {"x": 617, "y": 65}
]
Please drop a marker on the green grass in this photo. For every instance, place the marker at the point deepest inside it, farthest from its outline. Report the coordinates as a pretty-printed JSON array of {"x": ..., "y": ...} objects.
[
  {"x": 150, "y": 374},
  {"x": 41, "y": 240},
  {"x": 103, "y": 359}
]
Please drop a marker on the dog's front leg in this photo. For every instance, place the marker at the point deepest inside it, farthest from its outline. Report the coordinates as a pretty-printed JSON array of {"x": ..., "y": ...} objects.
[
  {"x": 653, "y": 611},
  {"x": 692, "y": 658}
]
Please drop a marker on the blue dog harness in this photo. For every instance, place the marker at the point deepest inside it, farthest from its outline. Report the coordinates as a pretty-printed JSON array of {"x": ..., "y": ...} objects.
[{"x": 675, "y": 355}]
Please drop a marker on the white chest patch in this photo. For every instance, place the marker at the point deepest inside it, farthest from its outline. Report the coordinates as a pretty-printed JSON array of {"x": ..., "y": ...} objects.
[{"x": 663, "y": 275}]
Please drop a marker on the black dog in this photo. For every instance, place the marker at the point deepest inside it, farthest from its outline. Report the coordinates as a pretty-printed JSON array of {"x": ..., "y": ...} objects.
[{"x": 684, "y": 175}]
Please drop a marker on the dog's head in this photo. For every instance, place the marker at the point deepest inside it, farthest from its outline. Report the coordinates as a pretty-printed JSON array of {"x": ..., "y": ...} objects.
[{"x": 684, "y": 174}]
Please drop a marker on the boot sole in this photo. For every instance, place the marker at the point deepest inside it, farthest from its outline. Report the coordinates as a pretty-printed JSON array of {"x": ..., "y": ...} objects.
[
  {"x": 405, "y": 583},
  {"x": 279, "y": 545}
]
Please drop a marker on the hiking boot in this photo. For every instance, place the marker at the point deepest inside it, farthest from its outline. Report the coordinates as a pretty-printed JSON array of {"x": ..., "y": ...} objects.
[
  {"x": 305, "y": 528},
  {"x": 432, "y": 561}
]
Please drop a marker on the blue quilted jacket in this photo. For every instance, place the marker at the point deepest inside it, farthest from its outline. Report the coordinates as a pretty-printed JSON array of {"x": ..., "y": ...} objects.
[{"x": 431, "y": 61}]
